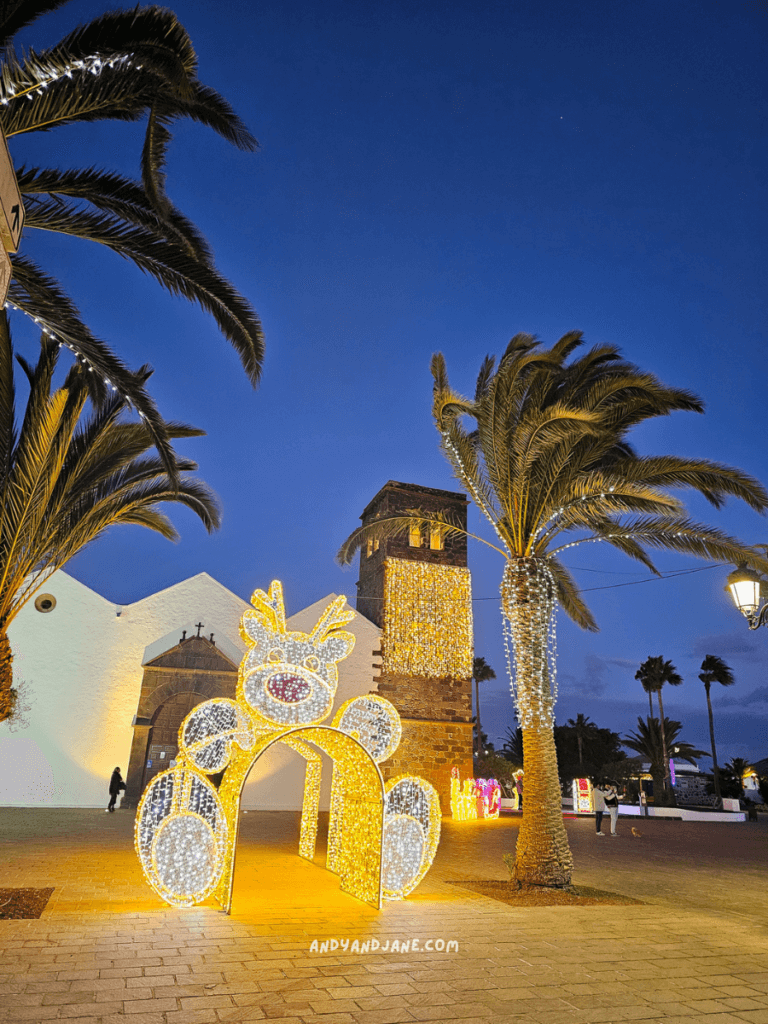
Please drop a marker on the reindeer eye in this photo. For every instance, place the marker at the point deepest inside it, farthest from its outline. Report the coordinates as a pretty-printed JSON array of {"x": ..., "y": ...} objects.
[
  {"x": 312, "y": 663},
  {"x": 276, "y": 654}
]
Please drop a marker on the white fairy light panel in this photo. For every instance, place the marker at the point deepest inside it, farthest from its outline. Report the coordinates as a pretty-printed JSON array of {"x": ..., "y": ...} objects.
[{"x": 382, "y": 838}]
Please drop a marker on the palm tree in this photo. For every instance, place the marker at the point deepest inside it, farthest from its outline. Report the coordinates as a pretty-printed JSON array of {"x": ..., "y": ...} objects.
[
  {"x": 582, "y": 726},
  {"x": 548, "y": 456},
  {"x": 644, "y": 675},
  {"x": 649, "y": 740},
  {"x": 481, "y": 673},
  {"x": 121, "y": 66},
  {"x": 67, "y": 476},
  {"x": 513, "y": 747},
  {"x": 653, "y": 673},
  {"x": 714, "y": 670},
  {"x": 736, "y": 769}
]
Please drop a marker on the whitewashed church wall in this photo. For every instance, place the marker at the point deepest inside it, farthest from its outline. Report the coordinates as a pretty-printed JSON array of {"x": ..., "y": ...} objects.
[{"x": 83, "y": 666}]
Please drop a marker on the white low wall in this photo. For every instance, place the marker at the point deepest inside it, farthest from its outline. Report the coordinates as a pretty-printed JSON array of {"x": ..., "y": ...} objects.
[
  {"x": 713, "y": 815},
  {"x": 679, "y": 813}
]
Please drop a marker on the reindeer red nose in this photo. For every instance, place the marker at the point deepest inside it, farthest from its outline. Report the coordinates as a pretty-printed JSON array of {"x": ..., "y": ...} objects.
[{"x": 288, "y": 688}]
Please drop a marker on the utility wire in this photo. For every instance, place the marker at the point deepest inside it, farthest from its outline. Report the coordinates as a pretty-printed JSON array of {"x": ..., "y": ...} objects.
[{"x": 673, "y": 574}]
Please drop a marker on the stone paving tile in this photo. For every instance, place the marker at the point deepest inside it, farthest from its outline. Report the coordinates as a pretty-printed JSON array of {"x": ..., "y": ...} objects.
[{"x": 111, "y": 956}]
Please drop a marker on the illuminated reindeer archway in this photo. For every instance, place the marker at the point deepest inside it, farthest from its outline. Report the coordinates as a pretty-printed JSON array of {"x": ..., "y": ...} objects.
[{"x": 381, "y": 838}]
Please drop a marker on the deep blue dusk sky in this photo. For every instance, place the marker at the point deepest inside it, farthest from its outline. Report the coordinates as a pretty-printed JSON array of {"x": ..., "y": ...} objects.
[{"x": 439, "y": 177}]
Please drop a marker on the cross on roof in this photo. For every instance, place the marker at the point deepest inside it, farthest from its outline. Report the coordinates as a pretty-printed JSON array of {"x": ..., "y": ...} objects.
[{"x": 199, "y": 626}]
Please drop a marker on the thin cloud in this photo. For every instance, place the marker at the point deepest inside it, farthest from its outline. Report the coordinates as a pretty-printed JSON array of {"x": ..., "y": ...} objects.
[
  {"x": 757, "y": 696},
  {"x": 727, "y": 645}
]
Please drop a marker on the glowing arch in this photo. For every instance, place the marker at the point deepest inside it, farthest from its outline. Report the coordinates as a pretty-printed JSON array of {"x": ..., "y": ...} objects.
[{"x": 381, "y": 839}]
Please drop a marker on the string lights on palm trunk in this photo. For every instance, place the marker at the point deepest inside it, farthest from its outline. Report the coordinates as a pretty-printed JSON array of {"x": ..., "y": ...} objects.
[{"x": 528, "y": 604}]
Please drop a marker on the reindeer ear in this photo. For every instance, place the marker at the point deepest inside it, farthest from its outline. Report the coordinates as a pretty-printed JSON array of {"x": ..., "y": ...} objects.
[
  {"x": 253, "y": 631},
  {"x": 336, "y": 647}
]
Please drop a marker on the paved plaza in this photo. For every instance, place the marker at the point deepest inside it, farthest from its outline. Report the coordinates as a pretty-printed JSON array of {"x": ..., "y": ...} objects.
[{"x": 106, "y": 950}]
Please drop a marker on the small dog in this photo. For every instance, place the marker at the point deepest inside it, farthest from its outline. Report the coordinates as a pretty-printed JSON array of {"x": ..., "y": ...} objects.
[{"x": 636, "y": 833}]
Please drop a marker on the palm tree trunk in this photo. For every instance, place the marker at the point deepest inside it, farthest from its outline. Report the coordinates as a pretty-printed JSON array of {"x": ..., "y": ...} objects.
[
  {"x": 658, "y": 787},
  {"x": 715, "y": 771},
  {"x": 7, "y": 693},
  {"x": 477, "y": 720},
  {"x": 650, "y": 701},
  {"x": 578, "y": 740},
  {"x": 669, "y": 795},
  {"x": 542, "y": 856}
]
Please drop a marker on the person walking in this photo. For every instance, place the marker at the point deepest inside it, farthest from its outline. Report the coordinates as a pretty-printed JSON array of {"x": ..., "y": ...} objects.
[
  {"x": 612, "y": 804},
  {"x": 116, "y": 784},
  {"x": 598, "y": 802}
]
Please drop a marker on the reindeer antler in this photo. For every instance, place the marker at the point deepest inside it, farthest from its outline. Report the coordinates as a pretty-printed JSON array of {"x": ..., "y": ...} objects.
[
  {"x": 269, "y": 608},
  {"x": 332, "y": 619}
]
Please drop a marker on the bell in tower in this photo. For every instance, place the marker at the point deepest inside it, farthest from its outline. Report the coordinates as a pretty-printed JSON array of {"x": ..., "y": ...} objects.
[{"x": 416, "y": 587}]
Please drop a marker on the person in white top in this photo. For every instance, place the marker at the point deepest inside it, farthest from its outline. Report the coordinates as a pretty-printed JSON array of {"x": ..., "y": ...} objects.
[
  {"x": 611, "y": 795},
  {"x": 598, "y": 801}
]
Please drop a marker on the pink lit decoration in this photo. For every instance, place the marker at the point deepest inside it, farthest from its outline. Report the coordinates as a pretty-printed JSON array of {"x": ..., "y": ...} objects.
[
  {"x": 672, "y": 771},
  {"x": 474, "y": 798},
  {"x": 582, "y": 796},
  {"x": 488, "y": 798}
]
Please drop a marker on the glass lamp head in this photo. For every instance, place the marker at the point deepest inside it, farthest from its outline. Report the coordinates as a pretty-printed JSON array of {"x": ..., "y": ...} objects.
[{"x": 744, "y": 585}]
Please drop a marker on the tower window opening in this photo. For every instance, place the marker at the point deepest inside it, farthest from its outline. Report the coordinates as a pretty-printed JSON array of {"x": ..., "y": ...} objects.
[
  {"x": 414, "y": 536},
  {"x": 436, "y": 537}
]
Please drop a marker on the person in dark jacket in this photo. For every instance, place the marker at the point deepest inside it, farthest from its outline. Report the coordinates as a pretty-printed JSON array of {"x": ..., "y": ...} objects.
[{"x": 116, "y": 784}]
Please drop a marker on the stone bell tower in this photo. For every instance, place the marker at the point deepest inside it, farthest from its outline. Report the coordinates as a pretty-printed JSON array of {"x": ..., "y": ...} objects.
[{"x": 416, "y": 587}]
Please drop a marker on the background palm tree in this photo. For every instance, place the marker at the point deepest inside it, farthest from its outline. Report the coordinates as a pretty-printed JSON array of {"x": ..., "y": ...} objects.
[
  {"x": 645, "y": 676},
  {"x": 582, "y": 726},
  {"x": 735, "y": 770},
  {"x": 649, "y": 741},
  {"x": 653, "y": 673},
  {"x": 481, "y": 673},
  {"x": 513, "y": 747},
  {"x": 714, "y": 670},
  {"x": 548, "y": 455},
  {"x": 123, "y": 65},
  {"x": 66, "y": 477}
]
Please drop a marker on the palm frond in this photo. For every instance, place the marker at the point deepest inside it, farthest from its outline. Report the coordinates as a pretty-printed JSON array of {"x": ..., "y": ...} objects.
[
  {"x": 72, "y": 477},
  {"x": 42, "y": 299},
  {"x": 712, "y": 479},
  {"x": 569, "y": 596},
  {"x": 113, "y": 194},
  {"x": 7, "y": 401},
  {"x": 172, "y": 267},
  {"x": 17, "y": 14}
]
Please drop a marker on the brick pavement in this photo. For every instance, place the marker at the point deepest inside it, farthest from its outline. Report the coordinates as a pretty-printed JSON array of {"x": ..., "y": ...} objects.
[{"x": 107, "y": 951}]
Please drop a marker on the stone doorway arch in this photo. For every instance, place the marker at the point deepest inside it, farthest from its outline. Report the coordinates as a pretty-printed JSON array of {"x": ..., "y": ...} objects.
[{"x": 192, "y": 671}]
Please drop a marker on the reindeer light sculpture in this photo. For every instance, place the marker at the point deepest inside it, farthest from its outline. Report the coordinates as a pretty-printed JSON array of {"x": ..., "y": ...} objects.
[{"x": 381, "y": 838}]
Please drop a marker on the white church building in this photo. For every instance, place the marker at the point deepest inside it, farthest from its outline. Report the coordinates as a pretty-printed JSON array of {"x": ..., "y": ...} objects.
[{"x": 108, "y": 682}]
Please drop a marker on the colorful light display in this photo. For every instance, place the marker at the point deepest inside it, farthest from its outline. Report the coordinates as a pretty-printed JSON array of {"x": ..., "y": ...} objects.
[
  {"x": 381, "y": 839},
  {"x": 582, "y": 796},
  {"x": 474, "y": 798}
]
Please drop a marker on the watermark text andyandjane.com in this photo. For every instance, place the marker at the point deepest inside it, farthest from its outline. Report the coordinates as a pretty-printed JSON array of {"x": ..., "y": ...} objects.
[{"x": 390, "y": 946}]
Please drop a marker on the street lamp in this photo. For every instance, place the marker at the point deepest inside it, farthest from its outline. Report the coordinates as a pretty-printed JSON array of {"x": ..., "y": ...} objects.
[{"x": 744, "y": 585}]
